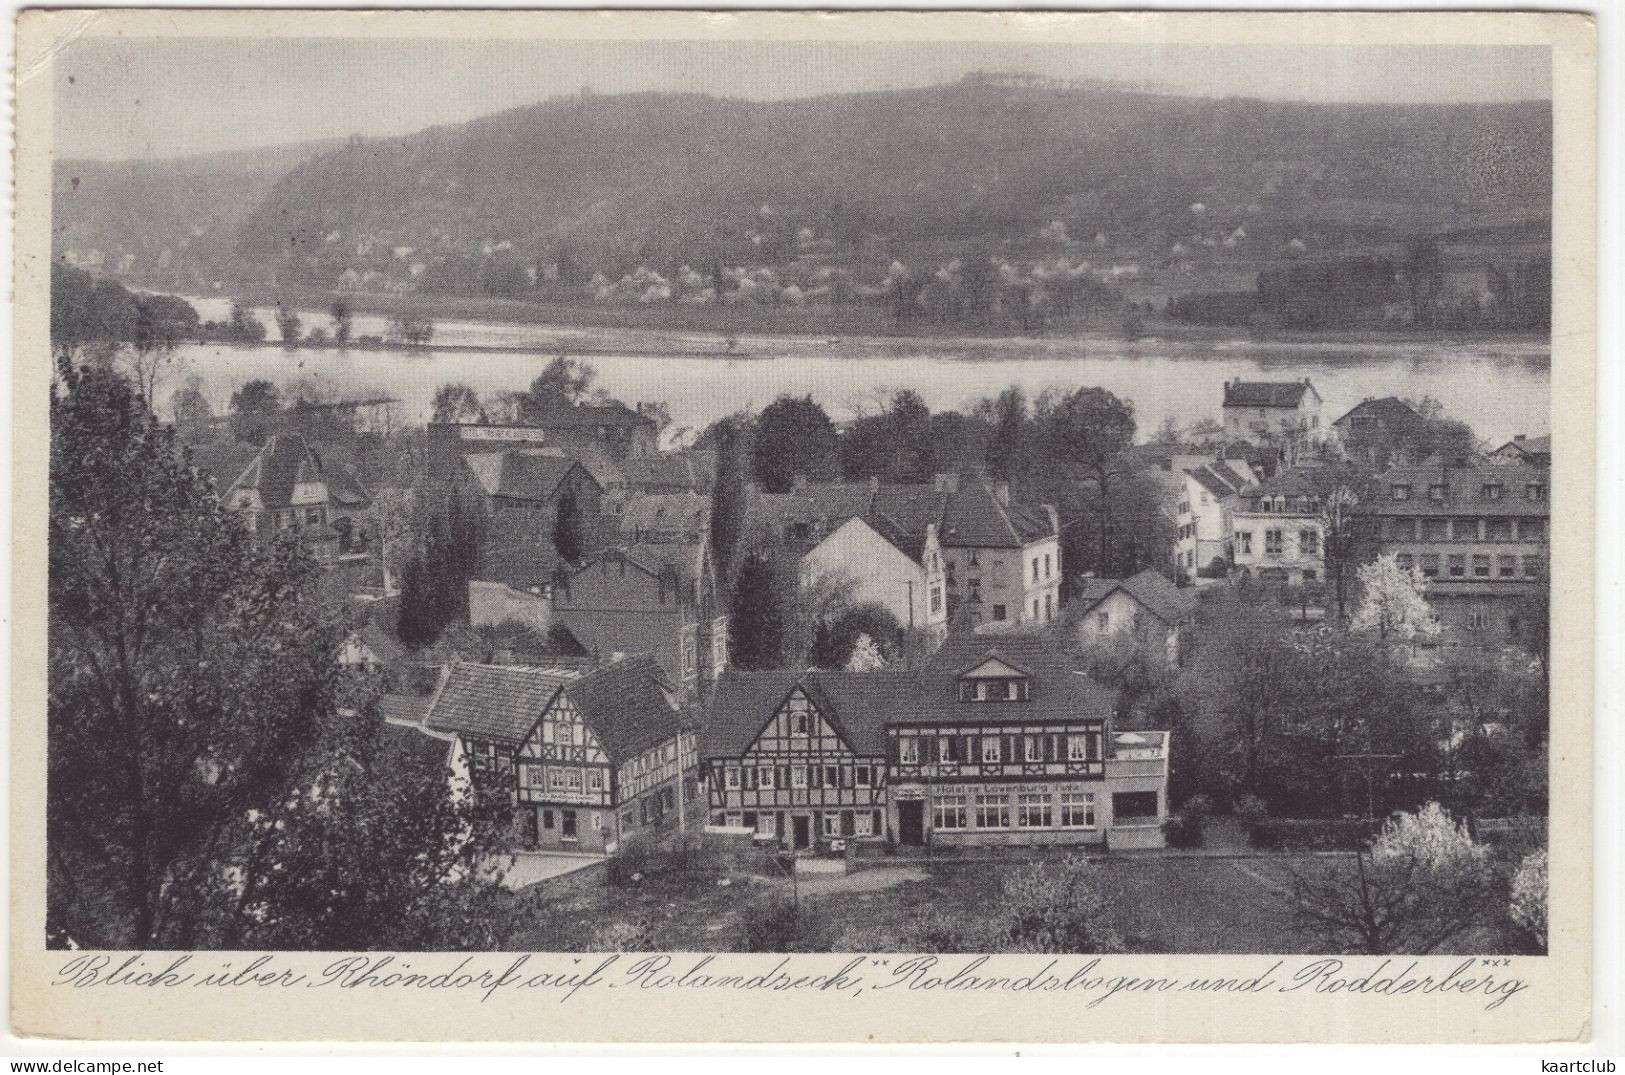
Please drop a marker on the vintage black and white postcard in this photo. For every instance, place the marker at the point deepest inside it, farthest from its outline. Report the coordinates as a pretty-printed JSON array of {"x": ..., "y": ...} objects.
[{"x": 613, "y": 527}]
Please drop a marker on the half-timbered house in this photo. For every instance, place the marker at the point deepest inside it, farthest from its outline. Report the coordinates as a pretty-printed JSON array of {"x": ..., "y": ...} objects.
[
  {"x": 589, "y": 760},
  {"x": 800, "y": 756}
]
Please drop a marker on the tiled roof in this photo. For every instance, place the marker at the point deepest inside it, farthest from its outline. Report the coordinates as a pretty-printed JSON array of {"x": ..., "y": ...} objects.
[
  {"x": 413, "y": 745},
  {"x": 628, "y": 705},
  {"x": 693, "y": 470},
  {"x": 284, "y": 462},
  {"x": 1212, "y": 482},
  {"x": 491, "y": 702},
  {"x": 222, "y": 464},
  {"x": 526, "y": 474},
  {"x": 591, "y": 416},
  {"x": 403, "y": 708},
  {"x": 973, "y": 517},
  {"x": 1391, "y": 410},
  {"x": 1162, "y": 598},
  {"x": 1465, "y": 492},
  {"x": 1265, "y": 393},
  {"x": 1529, "y": 445},
  {"x": 524, "y": 567},
  {"x": 654, "y": 513},
  {"x": 863, "y": 704}
]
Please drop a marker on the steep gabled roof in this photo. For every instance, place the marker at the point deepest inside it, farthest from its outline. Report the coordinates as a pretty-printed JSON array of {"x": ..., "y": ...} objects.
[
  {"x": 1059, "y": 690},
  {"x": 629, "y": 706},
  {"x": 1210, "y": 480},
  {"x": 285, "y": 462},
  {"x": 1266, "y": 393},
  {"x": 525, "y": 474},
  {"x": 491, "y": 702},
  {"x": 1390, "y": 410},
  {"x": 1162, "y": 598},
  {"x": 974, "y": 517},
  {"x": 857, "y": 704},
  {"x": 1529, "y": 446}
]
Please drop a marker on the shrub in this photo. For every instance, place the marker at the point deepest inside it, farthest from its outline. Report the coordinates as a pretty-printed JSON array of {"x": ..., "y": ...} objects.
[
  {"x": 1251, "y": 809},
  {"x": 1054, "y": 906},
  {"x": 1289, "y": 834},
  {"x": 1528, "y": 907},
  {"x": 780, "y": 924},
  {"x": 1183, "y": 830}
]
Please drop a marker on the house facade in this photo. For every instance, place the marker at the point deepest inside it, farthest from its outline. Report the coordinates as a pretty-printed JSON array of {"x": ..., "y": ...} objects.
[
  {"x": 658, "y": 599},
  {"x": 1479, "y": 535},
  {"x": 996, "y": 740},
  {"x": 1284, "y": 414},
  {"x": 1145, "y": 607},
  {"x": 1278, "y": 532},
  {"x": 286, "y": 488},
  {"x": 1380, "y": 432},
  {"x": 522, "y": 491},
  {"x": 588, "y": 760},
  {"x": 1002, "y": 561},
  {"x": 799, "y": 757},
  {"x": 887, "y": 566},
  {"x": 1524, "y": 449}
]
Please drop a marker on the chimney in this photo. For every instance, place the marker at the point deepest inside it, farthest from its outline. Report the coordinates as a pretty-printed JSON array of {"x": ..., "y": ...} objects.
[{"x": 1054, "y": 518}]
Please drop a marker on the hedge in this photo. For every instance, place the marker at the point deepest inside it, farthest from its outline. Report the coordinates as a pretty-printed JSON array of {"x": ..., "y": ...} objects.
[{"x": 1289, "y": 834}]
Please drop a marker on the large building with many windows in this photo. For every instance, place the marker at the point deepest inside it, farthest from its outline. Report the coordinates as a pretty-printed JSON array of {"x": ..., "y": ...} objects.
[
  {"x": 1479, "y": 536},
  {"x": 997, "y": 740}
]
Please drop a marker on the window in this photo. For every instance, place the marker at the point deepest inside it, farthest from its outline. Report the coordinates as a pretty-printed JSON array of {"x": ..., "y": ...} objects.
[
  {"x": 1272, "y": 542},
  {"x": 1077, "y": 810},
  {"x": 865, "y": 776},
  {"x": 1399, "y": 492},
  {"x": 595, "y": 780},
  {"x": 313, "y": 516},
  {"x": 832, "y": 776},
  {"x": 998, "y": 612},
  {"x": 1405, "y": 560},
  {"x": 863, "y": 824},
  {"x": 974, "y": 560},
  {"x": 1309, "y": 542},
  {"x": 690, "y": 654},
  {"x": 1458, "y": 565},
  {"x": 547, "y": 819},
  {"x": 530, "y": 776},
  {"x": 908, "y": 750},
  {"x": 1464, "y": 529},
  {"x": 1534, "y": 491},
  {"x": 572, "y": 779},
  {"x": 1508, "y": 567},
  {"x": 734, "y": 820},
  {"x": 975, "y": 589},
  {"x": 1533, "y": 566},
  {"x": 798, "y": 776},
  {"x": 1436, "y": 491},
  {"x": 1134, "y": 805},
  {"x": 1481, "y": 567},
  {"x": 1077, "y": 748},
  {"x": 800, "y": 720},
  {"x": 1035, "y": 608},
  {"x": 1035, "y": 569},
  {"x": 1033, "y": 748},
  {"x": 1046, "y": 565},
  {"x": 992, "y": 812},
  {"x": 990, "y": 749},
  {"x": 1244, "y": 541},
  {"x": 1492, "y": 490},
  {"x": 949, "y": 812},
  {"x": 832, "y": 824},
  {"x": 1435, "y": 530},
  {"x": 555, "y": 779},
  {"x": 1049, "y": 606},
  {"x": 1477, "y": 619},
  {"x": 567, "y": 826},
  {"x": 767, "y": 824},
  {"x": 764, "y": 777},
  {"x": 1033, "y": 812},
  {"x": 948, "y": 748},
  {"x": 1103, "y": 621},
  {"x": 1310, "y": 576},
  {"x": 936, "y": 599}
]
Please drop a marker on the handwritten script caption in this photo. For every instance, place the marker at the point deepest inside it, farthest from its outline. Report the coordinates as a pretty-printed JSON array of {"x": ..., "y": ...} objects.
[{"x": 1091, "y": 979}]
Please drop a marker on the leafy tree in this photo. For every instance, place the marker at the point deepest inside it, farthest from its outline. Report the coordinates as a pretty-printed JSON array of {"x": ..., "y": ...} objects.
[
  {"x": 836, "y": 638},
  {"x": 411, "y": 329},
  {"x": 569, "y": 529},
  {"x": 758, "y": 625},
  {"x": 244, "y": 326},
  {"x": 563, "y": 382},
  {"x": 793, "y": 437},
  {"x": 1343, "y": 534},
  {"x": 1423, "y": 884},
  {"x": 434, "y": 582},
  {"x": 1054, "y": 905},
  {"x": 866, "y": 656},
  {"x": 179, "y": 713},
  {"x": 343, "y": 321},
  {"x": 255, "y": 409},
  {"x": 288, "y": 324},
  {"x": 1394, "y": 604},
  {"x": 455, "y": 403},
  {"x": 1091, "y": 428},
  {"x": 1528, "y": 906},
  {"x": 190, "y": 408},
  {"x": 730, "y": 438}
]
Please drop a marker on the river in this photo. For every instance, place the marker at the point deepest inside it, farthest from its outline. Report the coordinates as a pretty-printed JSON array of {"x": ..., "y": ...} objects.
[{"x": 1500, "y": 387}]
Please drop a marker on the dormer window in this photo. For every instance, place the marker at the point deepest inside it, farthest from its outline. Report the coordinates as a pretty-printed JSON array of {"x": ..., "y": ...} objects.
[
  {"x": 1014, "y": 689},
  {"x": 1436, "y": 492},
  {"x": 1534, "y": 491},
  {"x": 1492, "y": 490},
  {"x": 1400, "y": 492}
]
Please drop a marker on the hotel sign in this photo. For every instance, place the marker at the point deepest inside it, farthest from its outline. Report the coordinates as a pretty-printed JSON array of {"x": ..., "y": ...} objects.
[{"x": 524, "y": 433}]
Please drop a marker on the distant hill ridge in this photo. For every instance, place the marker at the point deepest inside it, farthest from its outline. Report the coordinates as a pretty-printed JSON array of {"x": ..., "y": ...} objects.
[{"x": 604, "y": 183}]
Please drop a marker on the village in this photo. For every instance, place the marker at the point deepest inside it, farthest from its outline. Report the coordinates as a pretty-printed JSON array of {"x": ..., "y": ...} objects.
[{"x": 823, "y": 652}]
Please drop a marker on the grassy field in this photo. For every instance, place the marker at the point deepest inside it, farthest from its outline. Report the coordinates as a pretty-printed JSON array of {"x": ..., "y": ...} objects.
[{"x": 1159, "y": 905}]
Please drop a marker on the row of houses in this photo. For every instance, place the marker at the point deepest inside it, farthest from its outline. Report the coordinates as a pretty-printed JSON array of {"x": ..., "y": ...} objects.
[{"x": 997, "y": 739}]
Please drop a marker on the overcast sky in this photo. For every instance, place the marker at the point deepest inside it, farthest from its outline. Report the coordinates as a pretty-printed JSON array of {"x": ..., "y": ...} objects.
[{"x": 124, "y": 97}]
